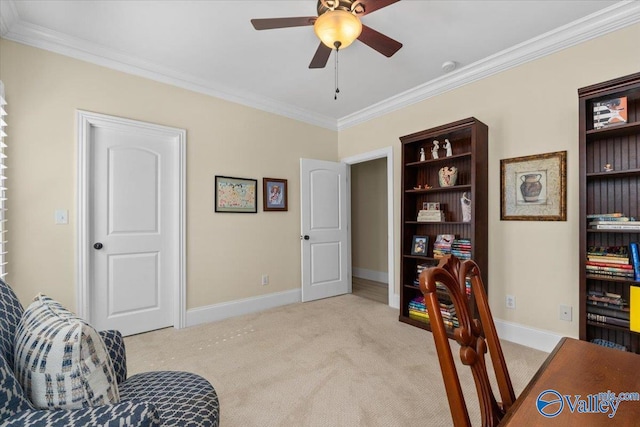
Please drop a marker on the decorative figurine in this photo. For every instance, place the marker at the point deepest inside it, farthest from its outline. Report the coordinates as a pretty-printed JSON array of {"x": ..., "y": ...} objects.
[
  {"x": 447, "y": 146},
  {"x": 422, "y": 155},
  {"x": 608, "y": 168},
  {"x": 465, "y": 201},
  {"x": 434, "y": 150}
]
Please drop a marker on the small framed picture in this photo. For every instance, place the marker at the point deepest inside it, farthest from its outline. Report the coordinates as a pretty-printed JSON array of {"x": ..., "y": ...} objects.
[
  {"x": 274, "y": 194},
  {"x": 419, "y": 245},
  {"x": 237, "y": 195},
  {"x": 431, "y": 206}
]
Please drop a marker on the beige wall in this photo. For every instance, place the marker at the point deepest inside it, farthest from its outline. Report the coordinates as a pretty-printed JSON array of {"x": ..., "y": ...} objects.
[
  {"x": 530, "y": 109},
  {"x": 226, "y": 253},
  {"x": 369, "y": 215}
]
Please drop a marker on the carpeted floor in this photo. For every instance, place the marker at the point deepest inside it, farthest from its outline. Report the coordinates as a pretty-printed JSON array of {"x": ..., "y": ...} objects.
[{"x": 343, "y": 361}]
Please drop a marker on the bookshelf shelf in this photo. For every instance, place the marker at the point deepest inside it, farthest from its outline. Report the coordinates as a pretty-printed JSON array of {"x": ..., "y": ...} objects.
[
  {"x": 438, "y": 160},
  {"x": 454, "y": 188},
  {"x": 469, "y": 141},
  {"x": 616, "y": 145},
  {"x": 613, "y": 174}
]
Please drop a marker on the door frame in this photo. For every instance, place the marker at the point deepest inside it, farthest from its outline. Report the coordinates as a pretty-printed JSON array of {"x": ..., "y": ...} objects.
[
  {"x": 85, "y": 120},
  {"x": 365, "y": 157}
]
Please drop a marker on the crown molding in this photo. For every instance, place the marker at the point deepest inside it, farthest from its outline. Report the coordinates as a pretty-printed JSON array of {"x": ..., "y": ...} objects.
[
  {"x": 8, "y": 16},
  {"x": 54, "y": 41},
  {"x": 610, "y": 19}
]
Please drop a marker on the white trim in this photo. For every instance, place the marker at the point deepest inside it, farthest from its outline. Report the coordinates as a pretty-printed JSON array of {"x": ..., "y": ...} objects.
[
  {"x": 526, "y": 335},
  {"x": 225, "y": 310},
  {"x": 612, "y": 18},
  {"x": 387, "y": 152},
  {"x": 615, "y": 17},
  {"x": 85, "y": 120},
  {"x": 376, "y": 276}
]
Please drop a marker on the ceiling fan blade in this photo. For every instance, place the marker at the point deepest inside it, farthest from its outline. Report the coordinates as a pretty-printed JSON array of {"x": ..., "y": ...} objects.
[
  {"x": 378, "y": 41},
  {"x": 373, "y": 5},
  {"x": 272, "y": 23},
  {"x": 321, "y": 57}
]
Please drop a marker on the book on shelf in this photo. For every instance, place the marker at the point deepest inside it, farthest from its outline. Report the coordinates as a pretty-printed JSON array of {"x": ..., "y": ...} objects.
[
  {"x": 430, "y": 216},
  {"x": 609, "y": 112},
  {"x": 623, "y": 273},
  {"x": 608, "y": 219},
  {"x": 622, "y": 306},
  {"x": 608, "y": 320},
  {"x": 616, "y": 226},
  {"x": 615, "y": 251},
  {"x": 608, "y": 297},
  {"x": 608, "y": 223},
  {"x": 605, "y": 215},
  {"x": 609, "y": 264},
  {"x": 607, "y": 259},
  {"x": 635, "y": 260},
  {"x": 618, "y": 313}
]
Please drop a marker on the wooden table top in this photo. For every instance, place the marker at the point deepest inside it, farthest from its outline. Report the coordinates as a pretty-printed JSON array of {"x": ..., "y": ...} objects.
[{"x": 572, "y": 379}]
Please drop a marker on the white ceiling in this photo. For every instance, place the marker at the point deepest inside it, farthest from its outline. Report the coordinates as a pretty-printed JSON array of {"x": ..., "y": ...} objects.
[{"x": 211, "y": 46}]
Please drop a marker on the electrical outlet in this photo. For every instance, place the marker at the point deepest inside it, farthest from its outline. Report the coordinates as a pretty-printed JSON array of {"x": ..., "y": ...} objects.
[
  {"x": 510, "y": 302},
  {"x": 265, "y": 279},
  {"x": 566, "y": 312},
  {"x": 61, "y": 216}
]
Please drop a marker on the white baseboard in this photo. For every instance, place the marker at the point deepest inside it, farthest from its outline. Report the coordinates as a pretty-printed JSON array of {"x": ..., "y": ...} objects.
[
  {"x": 525, "y": 335},
  {"x": 376, "y": 276},
  {"x": 395, "y": 302},
  {"x": 225, "y": 310}
]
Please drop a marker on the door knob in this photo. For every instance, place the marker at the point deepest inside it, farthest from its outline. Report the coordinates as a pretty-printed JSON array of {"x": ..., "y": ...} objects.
[
  {"x": 306, "y": 237},
  {"x": 98, "y": 246}
]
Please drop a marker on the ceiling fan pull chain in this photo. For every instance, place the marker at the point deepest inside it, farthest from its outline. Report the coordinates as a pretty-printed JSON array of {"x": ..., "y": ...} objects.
[{"x": 335, "y": 97}]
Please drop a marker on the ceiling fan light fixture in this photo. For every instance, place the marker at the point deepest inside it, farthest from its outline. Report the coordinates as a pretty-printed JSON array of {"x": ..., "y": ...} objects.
[{"x": 337, "y": 26}]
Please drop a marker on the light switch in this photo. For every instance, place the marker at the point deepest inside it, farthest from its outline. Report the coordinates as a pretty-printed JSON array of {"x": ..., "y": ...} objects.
[{"x": 62, "y": 216}]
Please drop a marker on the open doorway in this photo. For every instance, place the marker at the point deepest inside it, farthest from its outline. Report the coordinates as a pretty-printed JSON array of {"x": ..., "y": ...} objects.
[{"x": 371, "y": 217}]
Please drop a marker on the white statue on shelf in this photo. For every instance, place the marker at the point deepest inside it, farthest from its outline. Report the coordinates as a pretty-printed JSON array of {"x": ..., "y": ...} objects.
[
  {"x": 422, "y": 155},
  {"x": 434, "y": 150},
  {"x": 465, "y": 201},
  {"x": 447, "y": 146}
]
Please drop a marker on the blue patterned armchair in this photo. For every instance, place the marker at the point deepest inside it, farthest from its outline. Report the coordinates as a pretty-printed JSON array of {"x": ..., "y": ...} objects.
[{"x": 163, "y": 398}]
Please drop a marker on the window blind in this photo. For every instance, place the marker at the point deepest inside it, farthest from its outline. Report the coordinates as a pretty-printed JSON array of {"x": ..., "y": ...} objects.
[{"x": 3, "y": 187}]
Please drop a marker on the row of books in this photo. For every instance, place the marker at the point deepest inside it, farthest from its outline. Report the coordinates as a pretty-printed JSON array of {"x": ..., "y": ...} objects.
[
  {"x": 442, "y": 245},
  {"x": 439, "y": 286},
  {"x": 612, "y": 221},
  {"x": 617, "y": 261},
  {"x": 418, "y": 311},
  {"x": 608, "y": 307},
  {"x": 461, "y": 248}
]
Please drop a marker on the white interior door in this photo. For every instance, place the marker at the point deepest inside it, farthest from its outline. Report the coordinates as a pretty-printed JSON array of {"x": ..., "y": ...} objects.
[
  {"x": 325, "y": 235},
  {"x": 134, "y": 223}
]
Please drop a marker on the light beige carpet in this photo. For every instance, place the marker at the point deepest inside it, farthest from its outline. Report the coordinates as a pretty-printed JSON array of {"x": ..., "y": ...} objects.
[{"x": 343, "y": 361}]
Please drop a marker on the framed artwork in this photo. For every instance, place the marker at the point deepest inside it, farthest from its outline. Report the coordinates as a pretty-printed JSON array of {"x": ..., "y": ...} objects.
[
  {"x": 534, "y": 188},
  {"x": 237, "y": 195},
  {"x": 419, "y": 245},
  {"x": 431, "y": 206},
  {"x": 274, "y": 194}
]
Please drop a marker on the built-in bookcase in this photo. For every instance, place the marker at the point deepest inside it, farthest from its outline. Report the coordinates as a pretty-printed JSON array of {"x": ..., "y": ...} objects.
[{"x": 609, "y": 183}]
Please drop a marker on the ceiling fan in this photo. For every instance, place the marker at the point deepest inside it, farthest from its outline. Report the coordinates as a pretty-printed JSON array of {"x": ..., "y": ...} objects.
[{"x": 338, "y": 25}]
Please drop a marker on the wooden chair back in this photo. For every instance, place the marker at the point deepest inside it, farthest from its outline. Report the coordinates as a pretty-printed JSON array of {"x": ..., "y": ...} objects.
[{"x": 474, "y": 336}]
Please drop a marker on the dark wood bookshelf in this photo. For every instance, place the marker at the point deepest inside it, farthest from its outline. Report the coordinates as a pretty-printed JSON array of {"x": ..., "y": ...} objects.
[
  {"x": 469, "y": 142},
  {"x": 608, "y": 191}
]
